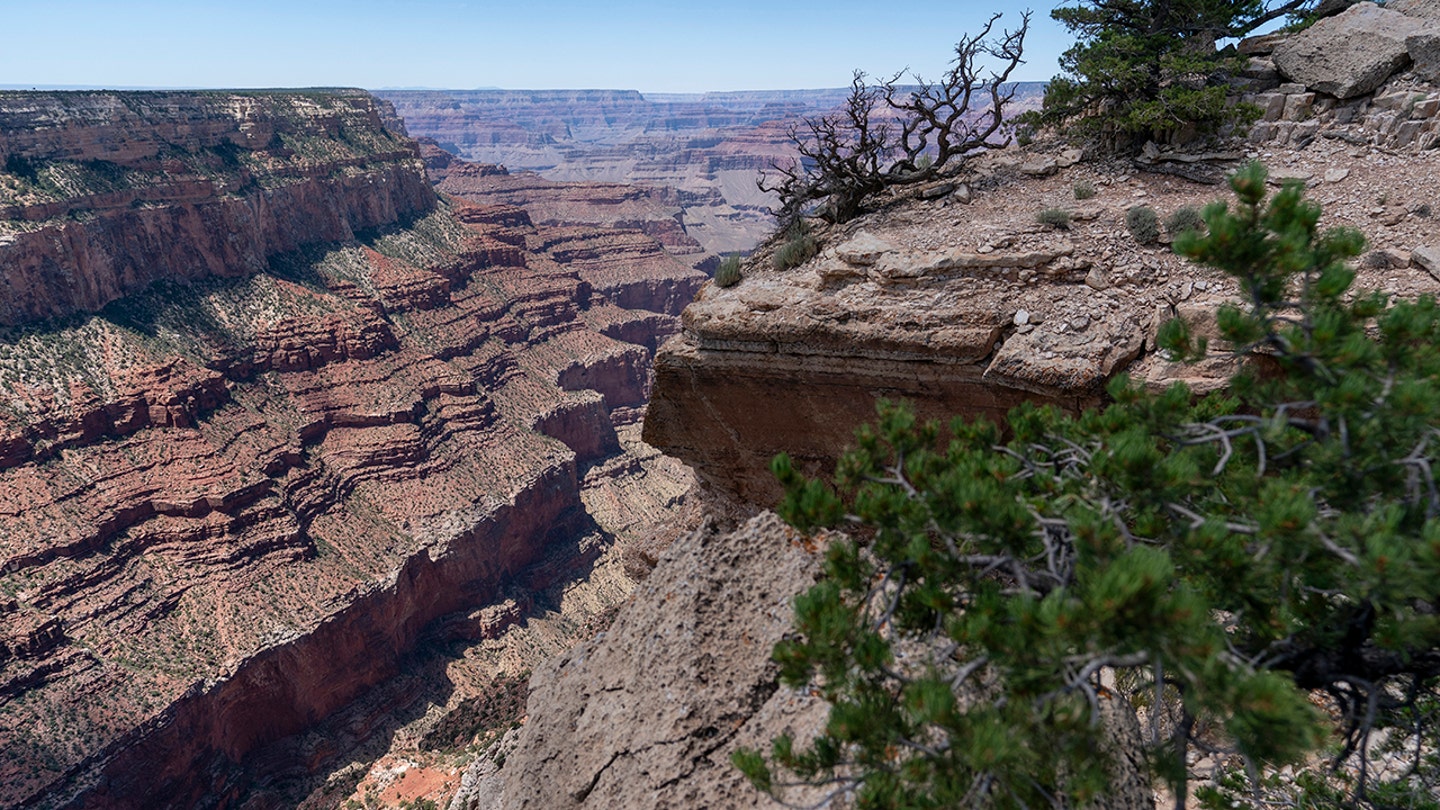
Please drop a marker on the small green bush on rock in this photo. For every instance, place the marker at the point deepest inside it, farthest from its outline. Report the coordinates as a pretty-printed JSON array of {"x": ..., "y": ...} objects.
[
  {"x": 1057, "y": 218},
  {"x": 1186, "y": 218},
  {"x": 1084, "y": 190},
  {"x": 1143, "y": 224},
  {"x": 728, "y": 273},
  {"x": 798, "y": 247}
]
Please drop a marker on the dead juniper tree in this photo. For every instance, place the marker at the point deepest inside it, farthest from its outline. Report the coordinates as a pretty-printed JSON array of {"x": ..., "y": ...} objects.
[{"x": 884, "y": 133}]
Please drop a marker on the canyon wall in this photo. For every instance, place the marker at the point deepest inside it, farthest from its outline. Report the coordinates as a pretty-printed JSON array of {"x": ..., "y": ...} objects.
[
  {"x": 268, "y": 410},
  {"x": 105, "y": 193}
]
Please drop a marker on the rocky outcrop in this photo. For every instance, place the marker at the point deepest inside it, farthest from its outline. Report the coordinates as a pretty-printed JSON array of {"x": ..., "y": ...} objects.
[
  {"x": 1351, "y": 53},
  {"x": 792, "y": 362},
  {"x": 969, "y": 309},
  {"x": 244, "y": 473},
  {"x": 1348, "y": 85}
]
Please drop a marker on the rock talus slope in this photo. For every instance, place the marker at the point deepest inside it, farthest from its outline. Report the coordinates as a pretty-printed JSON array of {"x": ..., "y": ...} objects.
[{"x": 268, "y": 409}]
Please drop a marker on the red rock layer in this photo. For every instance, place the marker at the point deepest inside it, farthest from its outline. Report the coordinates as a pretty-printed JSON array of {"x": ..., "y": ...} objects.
[{"x": 653, "y": 211}]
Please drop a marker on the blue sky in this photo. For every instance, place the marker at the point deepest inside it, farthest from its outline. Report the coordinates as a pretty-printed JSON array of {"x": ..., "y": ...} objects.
[{"x": 628, "y": 44}]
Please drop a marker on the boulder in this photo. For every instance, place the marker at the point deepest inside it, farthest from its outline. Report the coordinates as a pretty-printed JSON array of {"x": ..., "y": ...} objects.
[
  {"x": 1350, "y": 54},
  {"x": 1262, "y": 45},
  {"x": 1428, "y": 257}
]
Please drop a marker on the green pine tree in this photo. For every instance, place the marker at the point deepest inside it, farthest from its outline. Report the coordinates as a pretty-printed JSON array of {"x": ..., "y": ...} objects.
[
  {"x": 1227, "y": 563},
  {"x": 1150, "y": 70}
]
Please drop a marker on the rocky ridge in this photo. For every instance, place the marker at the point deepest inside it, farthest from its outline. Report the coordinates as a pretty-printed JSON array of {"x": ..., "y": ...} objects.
[
  {"x": 271, "y": 417},
  {"x": 957, "y": 298}
]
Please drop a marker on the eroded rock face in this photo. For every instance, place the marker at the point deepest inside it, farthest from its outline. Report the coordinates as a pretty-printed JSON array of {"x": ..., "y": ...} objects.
[
  {"x": 655, "y": 212},
  {"x": 236, "y": 496},
  {"x": 792, "y": 361},
  {"x": 647, "y": 713}
]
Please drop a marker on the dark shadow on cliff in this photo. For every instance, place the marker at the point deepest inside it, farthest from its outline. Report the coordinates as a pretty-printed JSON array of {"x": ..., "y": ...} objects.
[{"x": 435, "y": 704}]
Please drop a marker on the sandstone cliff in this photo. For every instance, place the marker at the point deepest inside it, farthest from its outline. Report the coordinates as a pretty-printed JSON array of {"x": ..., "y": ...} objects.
[{"x": 269, "y": 411}]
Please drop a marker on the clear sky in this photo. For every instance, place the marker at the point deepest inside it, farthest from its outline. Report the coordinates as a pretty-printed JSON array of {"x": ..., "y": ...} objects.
[{"x": 536, "y": 44}]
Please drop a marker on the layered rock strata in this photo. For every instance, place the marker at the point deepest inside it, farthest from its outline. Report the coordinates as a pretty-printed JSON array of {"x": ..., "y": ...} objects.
[
  {"x": 105, "y": 193},
  {"x": 654, "y": 212},
  {"x": 269, "y": 410}
]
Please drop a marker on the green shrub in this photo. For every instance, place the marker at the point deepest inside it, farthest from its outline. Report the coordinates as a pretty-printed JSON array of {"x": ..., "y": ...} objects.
[
  {"x": 797, "y": 248},
  {"x": 1144, "y": 70},
  {"x": 1084, "y": 190},
  {"x": 1186, "y": 218},
  {"x": 728, "y": 273},
  {"x": 1143, "y": 224},
  {"x": 1057, "y": 218}
]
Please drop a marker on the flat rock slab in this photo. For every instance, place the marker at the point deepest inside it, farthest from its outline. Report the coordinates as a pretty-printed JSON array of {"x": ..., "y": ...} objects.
[
  {"x": 863, "y": 250},
  {"x": 915, "y": 265},
  {"x": 1078, "y": 359},
  {"x": 1350, "y": 54}
]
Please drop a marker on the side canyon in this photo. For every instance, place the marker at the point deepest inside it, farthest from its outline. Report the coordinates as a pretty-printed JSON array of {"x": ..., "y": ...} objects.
[{"x": 273, "y": 416}]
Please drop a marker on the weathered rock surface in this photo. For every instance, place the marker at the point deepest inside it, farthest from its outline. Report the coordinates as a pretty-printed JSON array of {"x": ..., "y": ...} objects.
[
  {"x": 1351, "y": 53},
  {"x": 235, "y": 498},
  {"x": 647, "y": 713},
  {"x": 1424, "y": 48}
]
